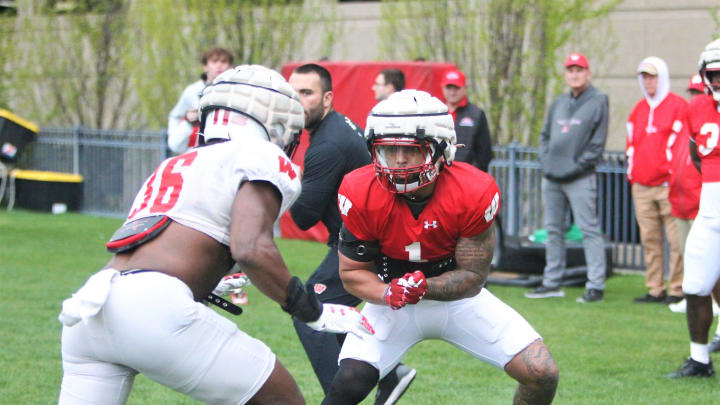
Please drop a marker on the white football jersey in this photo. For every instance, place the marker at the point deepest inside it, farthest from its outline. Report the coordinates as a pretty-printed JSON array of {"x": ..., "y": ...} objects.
[{"x": 197, "y": 188}]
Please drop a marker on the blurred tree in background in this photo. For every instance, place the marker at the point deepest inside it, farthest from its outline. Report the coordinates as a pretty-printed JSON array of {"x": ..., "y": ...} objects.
[
  {"x": 123, "y": 63},
  {"x": 509, "y": 49}
]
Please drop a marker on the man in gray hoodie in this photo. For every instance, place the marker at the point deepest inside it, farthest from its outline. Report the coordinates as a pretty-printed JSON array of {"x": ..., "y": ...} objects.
[{"x": 571, "y": 144}]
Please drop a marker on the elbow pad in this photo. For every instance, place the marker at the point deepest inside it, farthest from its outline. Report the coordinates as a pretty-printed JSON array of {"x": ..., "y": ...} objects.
[{"x": 300, "y": 303}]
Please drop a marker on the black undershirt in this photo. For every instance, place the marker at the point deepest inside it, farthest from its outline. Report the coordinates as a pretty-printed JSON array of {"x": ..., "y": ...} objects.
[{"x": 416, "y": 206}]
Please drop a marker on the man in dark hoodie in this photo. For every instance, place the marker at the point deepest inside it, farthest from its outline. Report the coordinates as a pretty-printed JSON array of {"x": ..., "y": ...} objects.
[{"x": 571, "y": 144}]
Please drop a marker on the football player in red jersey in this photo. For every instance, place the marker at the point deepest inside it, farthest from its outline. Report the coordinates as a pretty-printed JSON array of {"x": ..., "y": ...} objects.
[
  {"x": 702, "y": 256},
  {"x": 416, "y": 245}
]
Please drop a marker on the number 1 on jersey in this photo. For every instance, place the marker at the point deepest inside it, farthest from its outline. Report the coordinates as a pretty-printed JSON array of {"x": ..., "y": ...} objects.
[{"x": 413, "y": 250}]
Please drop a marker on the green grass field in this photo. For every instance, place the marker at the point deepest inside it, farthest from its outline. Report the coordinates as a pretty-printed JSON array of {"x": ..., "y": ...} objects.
[{"x": 614, "y": 352}]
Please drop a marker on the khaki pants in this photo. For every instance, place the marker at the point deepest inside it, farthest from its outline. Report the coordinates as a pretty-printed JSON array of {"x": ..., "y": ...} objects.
[
  {"x": 683, "y": 227},
  {"x": 652, "y": 210}
]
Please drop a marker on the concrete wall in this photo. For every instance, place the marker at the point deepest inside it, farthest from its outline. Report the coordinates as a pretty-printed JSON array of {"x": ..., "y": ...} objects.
[{"x": 674, "y": 30}]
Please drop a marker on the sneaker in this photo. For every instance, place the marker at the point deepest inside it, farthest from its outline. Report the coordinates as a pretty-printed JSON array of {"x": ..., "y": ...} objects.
[
  {"x": 591, "y": 295},
  {"x": 679, "y": 307},
  {"x": 545, "y": 292},
  {"x": 650, "y": 298},
  {"x": 394, "y": 385},
  {"x": 714, "y": 346},
  {"x": 692, "y": 368},
  {"x": 673, "y": 299}
]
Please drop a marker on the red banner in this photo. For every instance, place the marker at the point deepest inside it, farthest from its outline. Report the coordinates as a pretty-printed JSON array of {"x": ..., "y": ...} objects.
[{"x": 353, "y": 97}]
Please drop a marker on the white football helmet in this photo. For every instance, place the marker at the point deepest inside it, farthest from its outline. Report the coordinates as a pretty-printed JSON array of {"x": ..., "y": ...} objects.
[
  {"x": 255, "y": 92},
  {"x": 410, "y": 119},
  {"x": 710, "y": 62}
]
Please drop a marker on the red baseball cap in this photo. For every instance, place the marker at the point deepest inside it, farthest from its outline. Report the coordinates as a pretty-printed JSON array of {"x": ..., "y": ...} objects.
[
  {"x": 577, "y": 59},
  {"x": 696, "y": 83},
  {"x": 454, "y": 77}
]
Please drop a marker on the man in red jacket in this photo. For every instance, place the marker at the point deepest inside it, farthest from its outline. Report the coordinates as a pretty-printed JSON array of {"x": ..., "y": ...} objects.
[{"x": 653, "y": 126}]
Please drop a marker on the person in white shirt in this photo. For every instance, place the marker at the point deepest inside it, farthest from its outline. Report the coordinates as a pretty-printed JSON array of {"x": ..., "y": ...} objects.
[{"x": 184, "y": 119}]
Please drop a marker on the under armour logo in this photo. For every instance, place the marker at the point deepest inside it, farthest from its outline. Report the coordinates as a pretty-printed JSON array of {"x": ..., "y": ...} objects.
[{"x": 429, "y": 224}]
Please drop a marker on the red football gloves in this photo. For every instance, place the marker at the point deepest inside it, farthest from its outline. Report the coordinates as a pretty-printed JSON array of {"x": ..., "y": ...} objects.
[
  {"x": 409, "y": 289},
  {"x": 394, "y": 294},
  {"x": 415, "y": 286}
]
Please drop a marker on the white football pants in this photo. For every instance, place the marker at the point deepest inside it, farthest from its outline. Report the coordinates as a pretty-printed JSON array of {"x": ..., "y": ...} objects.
[
  {"x": 150, "y": 324},
  {"x": 702, "y": 249},
  {"x": 482, "y": 326}
]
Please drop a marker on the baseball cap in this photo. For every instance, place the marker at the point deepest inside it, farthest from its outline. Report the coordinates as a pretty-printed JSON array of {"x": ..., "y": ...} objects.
[
  {"x": 577, "y": 59},
  {"x": 454, "y": 77},
  {"x": 696, "y": 83},
  {"x": 648, "y": 68}
]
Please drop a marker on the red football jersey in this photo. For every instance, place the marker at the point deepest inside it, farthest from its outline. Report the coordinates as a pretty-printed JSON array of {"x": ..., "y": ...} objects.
[
  {"x": 704, "y": 122},
  {"x": 464, "y": 204},
  {"x": 650, "y": 135},
  {"x": 685, "y": 181}
]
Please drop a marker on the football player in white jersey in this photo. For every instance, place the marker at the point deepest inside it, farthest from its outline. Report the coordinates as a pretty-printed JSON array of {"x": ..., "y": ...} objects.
[
  {"x": 702, "y": 253},
  {"x": 195, "y": 216}
]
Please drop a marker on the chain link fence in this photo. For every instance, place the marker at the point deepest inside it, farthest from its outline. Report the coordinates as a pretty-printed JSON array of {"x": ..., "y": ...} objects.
[{"x": 114, "y": 164}]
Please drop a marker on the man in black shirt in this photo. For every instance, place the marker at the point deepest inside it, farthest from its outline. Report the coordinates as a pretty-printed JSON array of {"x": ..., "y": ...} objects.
[
  {"x": 471, "y": 125},
  {"x": 337, "y": 146}
]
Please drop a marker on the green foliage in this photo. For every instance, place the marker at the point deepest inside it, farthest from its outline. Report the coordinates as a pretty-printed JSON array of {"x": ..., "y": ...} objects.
[
  {"x": 6, "y": 24},
  {"x": 124, "y": 63},
  {"x": 68, "y": 69},
  {"x": 170, "y": 44},
  {"x": 715, "y": 15},
  {"x": 509, "y": 49},
  {"x": 614, "y": 352}
]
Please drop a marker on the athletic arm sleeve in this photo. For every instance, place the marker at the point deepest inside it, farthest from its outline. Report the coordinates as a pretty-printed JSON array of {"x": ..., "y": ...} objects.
[{"x": 356, "y": 249}]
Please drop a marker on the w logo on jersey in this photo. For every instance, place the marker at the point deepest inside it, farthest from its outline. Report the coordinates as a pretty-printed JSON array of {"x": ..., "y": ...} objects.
[
  {"x": 429, "y": 224},
  {"x": 344, "y": 204},
  {"x": 492, "y": 208},
  {"x": 287, "y": 167}
]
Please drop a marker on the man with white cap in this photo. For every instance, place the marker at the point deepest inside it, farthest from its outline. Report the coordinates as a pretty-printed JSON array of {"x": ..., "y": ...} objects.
[
  {"x": 654, "y": 125},
  {"x": 571, "y": 144}
]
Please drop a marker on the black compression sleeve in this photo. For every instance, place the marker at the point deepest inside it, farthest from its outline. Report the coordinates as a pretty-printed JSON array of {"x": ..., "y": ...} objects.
[
  {"x": 302, "y": 304},
  {"x": 356, "y": 249}
]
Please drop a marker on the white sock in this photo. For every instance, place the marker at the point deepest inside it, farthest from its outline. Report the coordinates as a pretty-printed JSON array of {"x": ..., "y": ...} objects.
[{"x": 699, "y": 352}]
